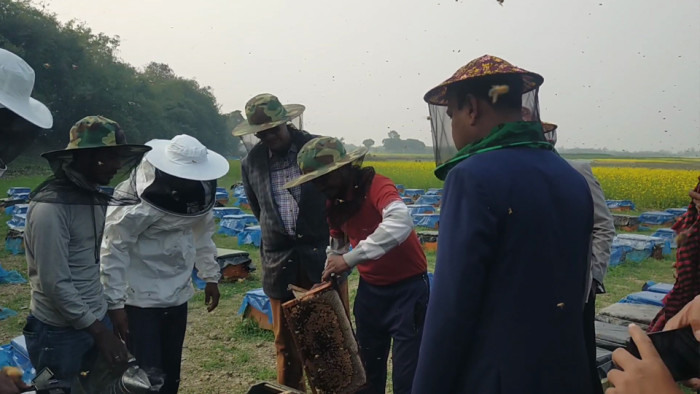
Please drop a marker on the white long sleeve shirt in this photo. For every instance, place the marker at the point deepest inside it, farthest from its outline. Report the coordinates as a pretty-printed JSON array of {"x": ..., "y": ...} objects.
[{"x": 147, "y": 256}]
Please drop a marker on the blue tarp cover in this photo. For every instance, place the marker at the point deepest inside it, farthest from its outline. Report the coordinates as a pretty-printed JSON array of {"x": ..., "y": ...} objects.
[
  {"x": 430, "y": 220},
  {"x": 17, "y": 222},
  {"x": 617, "y": 255},
  {"x": 612, "y": 204},
  {"x": 15, "y": 355},
  {"x": 638, "y": 247},
  {"x": 6, "y": 312},
  {"x": 677, "y": 212},
  {"x": 231, "y": 225},
  {"x": 17, "y": 209},
  {"x": 429, "y": 200},
  {"x": 220, "y": 212},
  {"x": 7, "y": 277},
  {"x": 13, "y": 191},
  {"x": 413, "y": 192},
  {"x": 434, "y": 191},
  {"x": 238, "y": 191},
  {"x": 416, "y": 209},
  {"x": 241, "y": 200},
  {"x": 667, "y": 234},
  {"x": 656, "y": 217},
  {"x": 644, "y": 297},
  {"x": 258, "y": 300},
  {"x": 250, "y": 236},
  {"x": 654, "y": 287}
]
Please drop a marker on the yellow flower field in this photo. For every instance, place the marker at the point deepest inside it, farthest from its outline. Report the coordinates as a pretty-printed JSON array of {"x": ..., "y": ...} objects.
[{"x": 648, "y": 188}]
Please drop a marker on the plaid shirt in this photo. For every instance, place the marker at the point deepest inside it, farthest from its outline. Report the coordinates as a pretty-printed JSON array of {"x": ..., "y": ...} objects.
[{"x": 282, "y": 170}]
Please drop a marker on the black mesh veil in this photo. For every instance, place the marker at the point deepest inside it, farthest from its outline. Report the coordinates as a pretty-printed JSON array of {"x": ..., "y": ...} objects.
[
  {"x": 87, "y": 176},
  {"x": 441, "y": 125},
  {"x": 250, "y": 140}
]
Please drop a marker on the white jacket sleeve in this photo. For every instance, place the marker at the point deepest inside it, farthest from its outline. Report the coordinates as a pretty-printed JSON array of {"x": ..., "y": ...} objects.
[
  {"x": 396, "y": 226},
  {"x": 123, "y": 226},
  {"x": 205, "y": 260}
]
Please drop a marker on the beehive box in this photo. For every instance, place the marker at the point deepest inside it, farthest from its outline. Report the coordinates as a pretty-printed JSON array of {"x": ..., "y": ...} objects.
[{"x": 324, "y": 336}]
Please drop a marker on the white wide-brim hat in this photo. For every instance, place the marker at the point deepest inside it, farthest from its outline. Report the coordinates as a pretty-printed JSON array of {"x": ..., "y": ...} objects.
[
  {"x": 16, "y": 85},
  {"x": 185, "y": 157}
]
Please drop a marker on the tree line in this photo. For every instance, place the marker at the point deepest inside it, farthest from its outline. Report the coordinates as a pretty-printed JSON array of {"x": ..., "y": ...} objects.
[{"x": 78, "y": 73}]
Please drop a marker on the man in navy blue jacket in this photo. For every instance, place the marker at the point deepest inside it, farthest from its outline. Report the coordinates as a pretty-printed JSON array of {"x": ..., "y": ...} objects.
[{"x": 506, "y": 309}]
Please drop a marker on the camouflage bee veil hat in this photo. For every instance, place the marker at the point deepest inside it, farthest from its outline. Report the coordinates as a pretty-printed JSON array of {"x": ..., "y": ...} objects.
[
  {"x": 322, "y": 155},
  {"x": 102, "y": 140},
  {"x": 265, "y": 111}
]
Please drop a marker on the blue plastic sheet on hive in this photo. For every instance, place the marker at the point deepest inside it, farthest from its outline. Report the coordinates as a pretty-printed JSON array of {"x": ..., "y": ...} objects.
[
  {"x": 21, "y": 197},
  {"x": 14, "y": 243},
  {"x": 667, "y": 234},
  {"x": 645, "y": 298},
  {"x": 238, "y": 191},
  {"x": 220, "y": 189},
  {"x": 231, "y": 225},
  {"x": 434, "y": 192},
  {"x": 429, "y": 220},
  {"x": 619, "y": 204},
  {"x": 654, "y": 287},
  {"x": 17, "y": 222},
  {"x": 639, "y": 247},
  {"x": 407, "y": 200},
  {"x": 433, "y": 200},
  {"x": 415, "y": 193},
  {"x": 677, "y": 212},
  {"x": 220, "y": 212},
  {"x": 17, "y": 209},
  {"x": 250, "y": 236},
  {"x": 14, "y": 191},
  {"x": 656, "y": 218},
  {"x": 242, "y": 200},
  {"x": 617, "y": 255},
  {"x": 15, "y": 355},
  {"x": 417, "y": 209},
  {"x": 221, "y": 196},
  {"x": 400, "y": 188},
  {"x": 258, "y": 300},
  {"x": 11, "y": 277}
]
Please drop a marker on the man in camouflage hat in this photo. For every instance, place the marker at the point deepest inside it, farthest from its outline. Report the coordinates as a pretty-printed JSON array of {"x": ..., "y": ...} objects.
[
  {"x": 293, "y": 221},
  {"x": 365, "y": 211},
  {"x": 506, "y": 309},
  {"x": 68, "y": 324}
]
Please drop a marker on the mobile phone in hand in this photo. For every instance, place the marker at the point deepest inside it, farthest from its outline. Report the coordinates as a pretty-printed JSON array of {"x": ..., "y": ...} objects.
[{"x": 679, "y": 350}]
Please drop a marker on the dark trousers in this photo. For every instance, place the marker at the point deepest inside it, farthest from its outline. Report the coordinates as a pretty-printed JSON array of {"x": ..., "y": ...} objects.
[
  {"x": 589, "y": 336},
  {"x": 385, "y": 313},
  {"x": 155, "y": 339}
]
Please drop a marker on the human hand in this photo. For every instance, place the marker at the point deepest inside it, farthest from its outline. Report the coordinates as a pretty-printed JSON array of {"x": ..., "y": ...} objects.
[
  {"x": 11, "y": 381},
  {"x": 335, "y": 264},
  {"x": 646, "y": 376},
  {"x": 211, "y": 296},
  {"x": 696, "y": 198},
  {"x": 120, "y": 321},
  {"x": 108, "y": 344}
]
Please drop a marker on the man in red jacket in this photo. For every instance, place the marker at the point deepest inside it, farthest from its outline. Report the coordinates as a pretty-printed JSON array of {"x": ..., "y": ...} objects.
[{"x": 365, "y": 211}]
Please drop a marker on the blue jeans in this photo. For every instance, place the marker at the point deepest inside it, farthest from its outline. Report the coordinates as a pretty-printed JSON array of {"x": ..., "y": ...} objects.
[{"x": 64, "y": 350}]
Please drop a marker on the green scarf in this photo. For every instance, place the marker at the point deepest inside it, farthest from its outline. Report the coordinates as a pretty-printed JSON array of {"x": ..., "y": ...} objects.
[{"x": 505, "y": 135}]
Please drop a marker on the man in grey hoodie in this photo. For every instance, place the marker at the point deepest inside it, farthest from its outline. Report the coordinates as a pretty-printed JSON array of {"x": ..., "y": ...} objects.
[{"x": 67, "y": 325}]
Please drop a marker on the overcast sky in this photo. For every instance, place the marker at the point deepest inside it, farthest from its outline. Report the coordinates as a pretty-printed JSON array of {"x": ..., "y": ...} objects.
[{"x": 622, "y": 74}]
